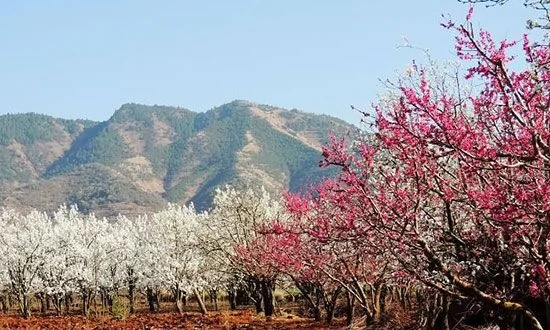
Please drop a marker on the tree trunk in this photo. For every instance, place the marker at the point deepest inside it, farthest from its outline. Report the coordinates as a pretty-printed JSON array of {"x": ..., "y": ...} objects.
[
  {"x": 440, "y": 312},
  {"x": 306, "y": 291},
  {"x": 57, "y": 300},
  {"x": 157, "y": 299},
  {"x": 256, "y": 296},
  {"x": 350, "y": 308},
  {"x": 42, "y": 299},
  {"x": 200, "y": 301},
  {"x": 213, "y": 293},
  {"x": 105, "y": 301},
  {"x": 232, "y": 296},
  {"x": 316, "y": 313},
  {"x": 547, "y": 310},
  {"x": 178, "y": 294},
  {"x": 403, "y": 297},
  {"x": 258, "y": 305},
  {"x": 25, "y": 306},
  {"x": 88, "y": 296},
  {"x": 330, "y": 315},
  {"x": 474, "y": 292},
  {"x": 267, "y": 297},
  {"x": 86, "y": 300},
  {"x": 67, "y": 301},
  {"x": 445, "y": 313},
  {"x": 377, "y": 306},
  {"x": 150, "y": 299},
  {"x": 243, "y": 297},
  {"x": 5, "y": 303},
  {"x": 330, "y": 305},
  {"x": 132, "y": 294}
]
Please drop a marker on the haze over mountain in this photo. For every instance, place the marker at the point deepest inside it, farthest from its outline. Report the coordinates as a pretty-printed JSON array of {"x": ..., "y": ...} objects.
[{"x": 145, "y": 156}]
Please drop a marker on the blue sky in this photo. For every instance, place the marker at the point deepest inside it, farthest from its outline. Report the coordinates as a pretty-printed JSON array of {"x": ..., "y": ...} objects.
[{"x": 83, "y": 59}]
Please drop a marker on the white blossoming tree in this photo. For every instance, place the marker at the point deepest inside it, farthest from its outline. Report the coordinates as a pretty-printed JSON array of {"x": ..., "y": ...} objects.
[
  {"x": 180, "y": 263},
  {"x": 24, "y": 249},
  {"x": 236, "y": 220}
]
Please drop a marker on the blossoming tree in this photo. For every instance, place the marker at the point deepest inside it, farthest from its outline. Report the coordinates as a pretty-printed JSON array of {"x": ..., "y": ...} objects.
[
  {"x": 233, "y": 239},
  {"x": 455, "y": 186}
]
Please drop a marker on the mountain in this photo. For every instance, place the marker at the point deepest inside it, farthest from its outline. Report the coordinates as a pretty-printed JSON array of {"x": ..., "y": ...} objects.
[{"x": 145, "y": 156}]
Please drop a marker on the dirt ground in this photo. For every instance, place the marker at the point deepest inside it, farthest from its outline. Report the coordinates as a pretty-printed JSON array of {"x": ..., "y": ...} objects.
[{"x": 240, "y": 320}]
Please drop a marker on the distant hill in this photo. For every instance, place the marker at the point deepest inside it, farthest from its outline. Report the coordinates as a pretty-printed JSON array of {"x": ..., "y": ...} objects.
[{"x": 145, "y": 156}]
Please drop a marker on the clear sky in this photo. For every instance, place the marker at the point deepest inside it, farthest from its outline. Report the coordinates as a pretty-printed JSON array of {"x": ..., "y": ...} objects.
[{"x": 83, "y": 59}]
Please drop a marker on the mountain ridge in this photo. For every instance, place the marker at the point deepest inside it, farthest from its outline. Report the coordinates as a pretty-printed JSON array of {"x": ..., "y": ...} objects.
[{"x": 145, "y": 156}]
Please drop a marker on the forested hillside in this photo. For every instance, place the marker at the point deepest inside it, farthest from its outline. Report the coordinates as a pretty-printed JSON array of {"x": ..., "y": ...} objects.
[{"x": 145, "y": 156}]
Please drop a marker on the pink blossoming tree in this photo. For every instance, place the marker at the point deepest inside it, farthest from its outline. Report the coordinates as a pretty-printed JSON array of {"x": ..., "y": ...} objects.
[{"x": 453, "y": 189}]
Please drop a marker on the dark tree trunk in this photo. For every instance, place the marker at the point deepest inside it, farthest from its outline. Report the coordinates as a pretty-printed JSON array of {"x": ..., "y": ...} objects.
[
  {"x": 4, "y": 300},
  {"x": 316, "y": 313},
  {"x": 150, "y": 299},
  {"x": 258, "y": 305},
  {"x": 255, "y": 289},
  {"x": 84, "y": 304},
  {"x": 330, "y": 304},
  {"x": 267, "y": 297},
  {"x": 131, "y": 291},
  {"x": 402, "y": 296},
  {"x": 42, "y": 299},
  {"x": 311, "y": 296},
  {"x": 106, "y": 300},
  {"x": 232, "y": 296},
  {"x": 213, "y": 293},
  {"x": 377, "y": 301},
  {"x": 242, "y": 297},
  {"x": 330, "y": 316},
  {"x": 68, "y": 302},
  {"x": 25, "y": 306},
  {"x": 350, "y": 308},
  {"x": 57, "y": 300},
  {"x": 442, "y": 305},
  {"x": 547, "y": 310},
  {"x": 87, "y": 297}
]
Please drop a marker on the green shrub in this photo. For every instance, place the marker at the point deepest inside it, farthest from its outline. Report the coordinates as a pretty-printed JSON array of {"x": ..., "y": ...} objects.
[{"x": 120, "y": 309}]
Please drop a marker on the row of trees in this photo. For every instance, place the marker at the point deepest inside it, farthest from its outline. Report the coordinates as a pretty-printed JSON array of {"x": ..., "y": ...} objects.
[
  {"x": 448, "y": 196},
  {"x": 178, "y": 249}
]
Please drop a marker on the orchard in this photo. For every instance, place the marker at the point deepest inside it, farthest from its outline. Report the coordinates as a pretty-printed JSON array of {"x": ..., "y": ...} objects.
[{"x": 439, "y": 218}]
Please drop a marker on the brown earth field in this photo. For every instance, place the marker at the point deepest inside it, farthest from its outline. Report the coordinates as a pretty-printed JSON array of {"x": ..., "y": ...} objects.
[{"x": 228, "y": 320}]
